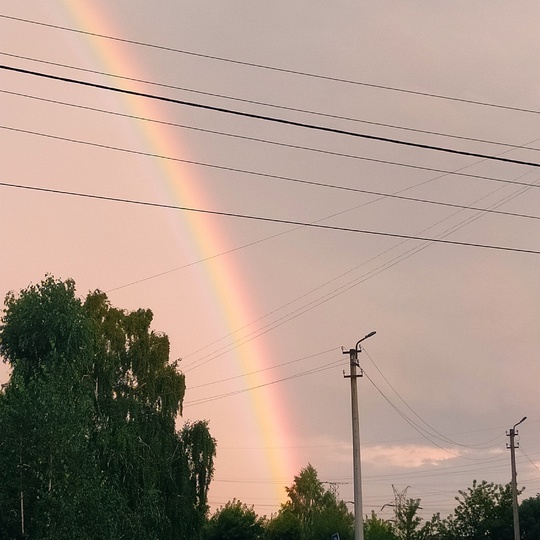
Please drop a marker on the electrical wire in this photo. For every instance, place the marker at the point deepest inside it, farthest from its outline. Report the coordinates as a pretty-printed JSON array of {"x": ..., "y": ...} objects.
[
  {"x": 298, "y": 180},
  {"x": 275, "y": 366},
  {"x": 529, "y": 459},
  {"x": 273, "y": 68},
  {"x": 255, "y": 173},
  {"x": 354, "y": 283},
  {"x": 297, "y": 147},
  {"x": 313, "y": 304},
  {"x": 138, "y": 281},
  {"x": 335, "y": 292},
  {"x": 440, "y": 435},
  {"x": 265, "y": 118},
  {"x": 273, "y": 220},
  {"x": 492, "y": 464},
  {"x": 242, "y": 100},
  {"x": 262, "y": 385},
  {"x": 235, "y": 135},
  {"x": 370, "y": 274},
  {"x": 419, "y": 429}
]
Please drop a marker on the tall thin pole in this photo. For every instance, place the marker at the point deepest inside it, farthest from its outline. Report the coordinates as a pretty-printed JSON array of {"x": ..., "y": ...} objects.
[
  {"x": 515, "y": 508},
  {"x": 354, "y": 373},
  {"x": 358, "y": 511}
]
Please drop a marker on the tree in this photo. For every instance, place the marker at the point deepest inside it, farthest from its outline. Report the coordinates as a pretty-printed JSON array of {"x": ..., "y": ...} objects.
[
  {"x": 376, "y": 528},
  {"x": 285, "y": 525},
  {"x": 88, "y": 446},
  {"x": 317, "y": 511},
  {"x": 483, "y": 511},
  {"x": 235, "y": 521},
  {"x": 46, "y": 417},
  {"x": 407, "y": 520},
  {"x": 529, "y": 518}
]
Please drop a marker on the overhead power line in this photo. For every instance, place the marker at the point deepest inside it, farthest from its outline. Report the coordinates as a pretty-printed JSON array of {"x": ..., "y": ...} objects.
[
  {"x": 237, "y": 136},
  {"x": 258, "y": 386},
  {"x": 303, "y": 181},
  {"x": 266, "y": 175},
  {"x": 274, "y": 366},
  {"x": 274, "y": 68},
  {"x": 251, "y": 102},
  {"x": 437, "y": 434},
  {"x": 273, "y": 220},
  {"x": 342, "y": 288},
  {"x": 269, "y": 118},
  {"x": 429, "y": 436}
]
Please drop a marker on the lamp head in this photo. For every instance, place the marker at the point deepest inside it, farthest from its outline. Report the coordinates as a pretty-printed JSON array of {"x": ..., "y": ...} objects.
[{"x": 365, "y": 337}]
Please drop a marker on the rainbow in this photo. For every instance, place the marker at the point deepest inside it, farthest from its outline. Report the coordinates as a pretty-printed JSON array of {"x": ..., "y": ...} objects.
[{"x": 222, "y": 276}]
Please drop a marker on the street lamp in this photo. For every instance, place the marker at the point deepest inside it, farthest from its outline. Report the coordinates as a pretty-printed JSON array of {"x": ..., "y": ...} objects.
[
  {"x": 354, "y": 374},
  {"x": 512, "y": 433}
]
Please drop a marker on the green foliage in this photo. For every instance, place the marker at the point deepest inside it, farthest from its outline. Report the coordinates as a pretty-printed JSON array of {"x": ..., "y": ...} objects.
[
  {"x": 529, "y": 518},
  {"x": 483, "y": 511},
  {"x": 44, "y": 327},
  {"x": 234, "y": 521},
  {"x": 88, "y": 446},
  {"x": 407, "y": 521},
  {"x": 376, "y": 528},
  {"x": 312, "y": 510},
  {"x": 284, "y": 526}
]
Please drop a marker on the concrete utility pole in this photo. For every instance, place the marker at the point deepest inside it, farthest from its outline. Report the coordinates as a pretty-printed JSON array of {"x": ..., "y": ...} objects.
[
  {"x": 512, "y": 434},
  {"x": 354, "y": 374}
]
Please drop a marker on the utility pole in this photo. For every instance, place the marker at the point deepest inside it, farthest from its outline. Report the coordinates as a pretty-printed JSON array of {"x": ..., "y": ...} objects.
[
  {"x": 353, "y": 375},
  {"x": 512, "y": 434}
]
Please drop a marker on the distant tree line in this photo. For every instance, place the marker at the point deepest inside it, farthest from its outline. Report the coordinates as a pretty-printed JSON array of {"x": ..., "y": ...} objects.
[
  {"x": 89, "y": 447},
  {"x": 483, "y": 512}
]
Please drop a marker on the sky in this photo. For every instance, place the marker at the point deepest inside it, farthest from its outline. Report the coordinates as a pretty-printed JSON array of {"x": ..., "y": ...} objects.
[{"x": 263, "y": 248}]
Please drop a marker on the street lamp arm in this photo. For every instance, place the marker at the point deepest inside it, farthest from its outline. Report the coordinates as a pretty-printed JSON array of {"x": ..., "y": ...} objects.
[{"x": 364, "y": 338}]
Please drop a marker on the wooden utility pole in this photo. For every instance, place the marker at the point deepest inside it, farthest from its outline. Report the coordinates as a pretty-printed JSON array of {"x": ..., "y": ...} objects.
[
  {"x": 353, "y": 375},
  {"x": 512, "y": 446}
]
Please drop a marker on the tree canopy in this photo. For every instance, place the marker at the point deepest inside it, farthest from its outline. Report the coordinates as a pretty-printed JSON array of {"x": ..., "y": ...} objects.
[
  {"x": 312, "y": 511},
  {"x": 529, "y": 518},
  {"x": 89, "y": 447},
  {"x": 484, "y": 510},
  {"x": 235, "y": 521}
]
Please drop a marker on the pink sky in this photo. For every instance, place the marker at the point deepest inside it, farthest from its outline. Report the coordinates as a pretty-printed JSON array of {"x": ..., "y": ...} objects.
[{"x": 457, "y": 341}]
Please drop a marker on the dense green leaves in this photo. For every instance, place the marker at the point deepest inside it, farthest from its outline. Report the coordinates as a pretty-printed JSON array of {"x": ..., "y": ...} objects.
[
  {"x": 376, "y": 528},
  {"x": 284, "y": 526},
  {"x": 407, "y": 521},
  {"x": 88, "y": 446},
  {"x": 235, "y": 521},
  {"x": 483, "y": 511},
  {"x": 312, "y": 510},
  {"x": 529, "y": 518}
]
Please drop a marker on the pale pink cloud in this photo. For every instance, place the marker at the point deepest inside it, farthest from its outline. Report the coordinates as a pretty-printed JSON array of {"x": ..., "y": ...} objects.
[{"x": 408, "y": 456}]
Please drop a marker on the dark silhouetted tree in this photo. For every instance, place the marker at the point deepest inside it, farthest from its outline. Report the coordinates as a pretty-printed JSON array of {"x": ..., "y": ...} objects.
[
  {"x": 235, "y": 521},
  {"x": 529, "y": 518},
  {"x": 317, "y": 511},
  {"x": 88, "y": 446},
  {"x": 285, "y": 525},
  {"x": 376, "y": 528},
  {"x": 483, "y": 511}
]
